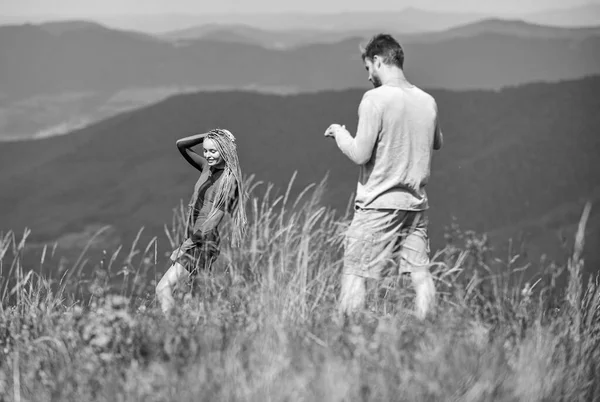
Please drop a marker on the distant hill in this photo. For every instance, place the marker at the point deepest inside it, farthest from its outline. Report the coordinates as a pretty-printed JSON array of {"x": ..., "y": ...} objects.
[
  {"x": 295, "y": 26},
  {"x": 407, "y": 20},
  {"x": 37, "y": 60},
  {"x": 293, "y": 38},
  {"x": 270, "y": 39},
  {"x": 59, "y": 28},
  {"x": 579, "y": 16},
  {"x": 518, "y": 28},
  {"x": 60, "y": 75},
  {"x": 520, "y": 161}
]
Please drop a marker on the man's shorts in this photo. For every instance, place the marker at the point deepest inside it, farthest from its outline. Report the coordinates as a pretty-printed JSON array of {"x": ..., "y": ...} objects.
[{"x": 381, "y": 242}]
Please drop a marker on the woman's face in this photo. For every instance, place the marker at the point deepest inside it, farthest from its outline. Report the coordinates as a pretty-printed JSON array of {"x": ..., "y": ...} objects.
[{"x": 212, "y": 155}]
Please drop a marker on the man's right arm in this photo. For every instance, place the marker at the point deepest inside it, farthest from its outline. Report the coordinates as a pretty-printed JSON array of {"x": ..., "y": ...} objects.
[{"x": 360, "y": 148}]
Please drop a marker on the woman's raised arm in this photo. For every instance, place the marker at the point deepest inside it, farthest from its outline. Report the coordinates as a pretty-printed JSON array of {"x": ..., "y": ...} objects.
[{"x": 185, "y": 147}]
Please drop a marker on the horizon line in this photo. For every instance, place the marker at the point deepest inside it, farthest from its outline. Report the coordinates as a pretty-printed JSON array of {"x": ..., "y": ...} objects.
[{"x": 295, "y": 12}]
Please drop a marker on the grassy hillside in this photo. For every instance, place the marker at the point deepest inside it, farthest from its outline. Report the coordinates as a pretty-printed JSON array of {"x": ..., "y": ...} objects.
[
  {"x": 264, "y": 326},
  {"x": 520, "y": 160}
]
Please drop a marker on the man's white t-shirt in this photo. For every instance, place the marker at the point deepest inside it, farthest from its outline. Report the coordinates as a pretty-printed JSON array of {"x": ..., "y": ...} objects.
[{"x": 394, "y": 142}]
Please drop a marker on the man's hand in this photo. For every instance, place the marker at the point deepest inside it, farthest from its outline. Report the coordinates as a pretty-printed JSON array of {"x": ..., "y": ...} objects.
[{"x": 334, "y": 129}]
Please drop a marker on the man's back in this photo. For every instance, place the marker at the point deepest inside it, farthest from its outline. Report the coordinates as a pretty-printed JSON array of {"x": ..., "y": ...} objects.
[{"x": 398, "y": 170}]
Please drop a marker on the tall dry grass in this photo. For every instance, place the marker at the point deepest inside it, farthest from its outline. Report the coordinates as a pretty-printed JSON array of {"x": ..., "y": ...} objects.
[{"x": 262, "y": 326}]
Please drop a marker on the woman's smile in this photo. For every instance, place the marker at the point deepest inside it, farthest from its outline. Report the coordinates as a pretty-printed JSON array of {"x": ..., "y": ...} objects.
[{"x": 211, "y": 154}]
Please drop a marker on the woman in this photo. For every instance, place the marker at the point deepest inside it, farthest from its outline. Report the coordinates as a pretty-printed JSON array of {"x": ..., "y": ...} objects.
[{"x": 219, "y": 189}]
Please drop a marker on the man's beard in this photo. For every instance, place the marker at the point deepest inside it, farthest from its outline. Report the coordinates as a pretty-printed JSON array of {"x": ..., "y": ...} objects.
[{"x": 375, "y": 81}]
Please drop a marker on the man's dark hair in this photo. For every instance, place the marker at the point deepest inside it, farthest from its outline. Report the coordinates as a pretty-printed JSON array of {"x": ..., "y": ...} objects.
[{"x": 386, "y": 47}]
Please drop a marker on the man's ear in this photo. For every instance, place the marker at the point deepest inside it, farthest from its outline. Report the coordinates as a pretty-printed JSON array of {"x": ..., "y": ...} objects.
[{"x": 377, "y": 61}]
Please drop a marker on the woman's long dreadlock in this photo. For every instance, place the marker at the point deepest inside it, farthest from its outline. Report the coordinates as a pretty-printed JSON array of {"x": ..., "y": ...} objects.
[{"x": 230, "y": 193}]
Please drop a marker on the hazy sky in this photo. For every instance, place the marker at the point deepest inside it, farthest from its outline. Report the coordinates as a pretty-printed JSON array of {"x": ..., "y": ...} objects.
[{"x": 103, "y": 7}]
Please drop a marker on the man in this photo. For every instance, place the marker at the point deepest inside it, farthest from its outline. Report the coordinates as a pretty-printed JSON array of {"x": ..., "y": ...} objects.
[{"x": 397, "y": 132}]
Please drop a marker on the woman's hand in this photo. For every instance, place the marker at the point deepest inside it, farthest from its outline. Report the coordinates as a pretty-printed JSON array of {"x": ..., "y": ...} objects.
[
  {"x": 179, "y": 251},
  {"x": 226, "y": 133},
  {"x": 176, "y": 254}
]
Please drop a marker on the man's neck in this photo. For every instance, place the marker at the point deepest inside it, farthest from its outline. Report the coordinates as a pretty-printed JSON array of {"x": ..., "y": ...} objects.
[{"x": 395, "y": 77}]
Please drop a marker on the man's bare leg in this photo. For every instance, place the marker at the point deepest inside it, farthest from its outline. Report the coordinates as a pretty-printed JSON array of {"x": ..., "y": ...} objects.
[
  {"x": 415, "y": 259},
  {"x": 352, "y": 294},
  {"x": 164, "y": 289},
  {"x": 425, "y": 292}
]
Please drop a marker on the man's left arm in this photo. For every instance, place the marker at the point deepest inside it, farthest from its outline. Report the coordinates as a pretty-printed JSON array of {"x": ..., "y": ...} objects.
[
  {"x": 360, "y": 148},
  {"x": 438, "y": 136}
]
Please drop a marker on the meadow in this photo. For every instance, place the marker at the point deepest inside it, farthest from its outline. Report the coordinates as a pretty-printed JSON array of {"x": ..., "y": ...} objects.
[{"x": 263, "y": 326}]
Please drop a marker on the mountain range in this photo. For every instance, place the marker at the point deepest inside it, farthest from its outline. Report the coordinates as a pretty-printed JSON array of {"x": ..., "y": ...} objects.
[
  {"x": 59, "y": 76},
  {"x": 409, "y": 19},
  {"x": 584, "y": 15},
  {"x": 518, "y": 162},
  {"x": 294, "y": 38}
]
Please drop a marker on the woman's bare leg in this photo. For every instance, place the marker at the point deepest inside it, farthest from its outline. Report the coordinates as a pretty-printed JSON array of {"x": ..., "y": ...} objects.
[{"x": 164, "y": 289}]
